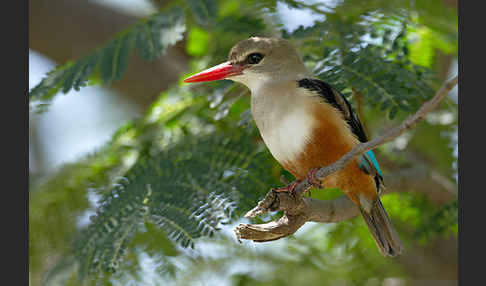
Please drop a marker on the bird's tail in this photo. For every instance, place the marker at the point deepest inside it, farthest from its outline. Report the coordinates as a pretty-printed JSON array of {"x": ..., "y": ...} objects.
[{"x": 382, "y": 229}]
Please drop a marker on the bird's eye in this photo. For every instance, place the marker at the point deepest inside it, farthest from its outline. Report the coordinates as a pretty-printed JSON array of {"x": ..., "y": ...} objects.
[{"x": 254, "y": 58}]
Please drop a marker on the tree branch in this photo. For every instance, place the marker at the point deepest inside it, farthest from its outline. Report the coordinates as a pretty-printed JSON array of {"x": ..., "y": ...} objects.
[{"x": 299, "y": 210}]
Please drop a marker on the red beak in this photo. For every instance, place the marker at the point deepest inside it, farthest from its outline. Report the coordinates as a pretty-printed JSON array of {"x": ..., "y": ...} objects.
[{"x": 218, "y": 72}]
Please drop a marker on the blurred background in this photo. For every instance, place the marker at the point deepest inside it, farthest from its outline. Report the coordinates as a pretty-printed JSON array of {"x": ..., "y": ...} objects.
[{"x": 79, "y": 124}]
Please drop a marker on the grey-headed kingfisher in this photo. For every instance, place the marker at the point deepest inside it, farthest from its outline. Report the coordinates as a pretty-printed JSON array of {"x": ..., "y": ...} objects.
[{"x": 307, "y": 124}]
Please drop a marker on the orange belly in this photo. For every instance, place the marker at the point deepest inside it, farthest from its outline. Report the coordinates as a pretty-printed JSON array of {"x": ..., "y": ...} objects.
[{"x": 331, "y": 139}]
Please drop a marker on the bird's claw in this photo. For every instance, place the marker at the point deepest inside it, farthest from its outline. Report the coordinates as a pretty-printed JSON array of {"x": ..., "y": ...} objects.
[
  {"x": 311, "y": 178},
  {"x": 289, "y": 188},
  {"x": 313, "y": 181}
]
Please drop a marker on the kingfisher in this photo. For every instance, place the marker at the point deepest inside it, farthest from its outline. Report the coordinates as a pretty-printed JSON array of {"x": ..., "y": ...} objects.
[{"x": 307, "y": 124}]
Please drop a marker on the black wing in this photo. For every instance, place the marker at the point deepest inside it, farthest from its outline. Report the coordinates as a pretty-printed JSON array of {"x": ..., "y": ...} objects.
[
  {"x": 336, "y": 99},
  {"x": 367, "y": 162}
]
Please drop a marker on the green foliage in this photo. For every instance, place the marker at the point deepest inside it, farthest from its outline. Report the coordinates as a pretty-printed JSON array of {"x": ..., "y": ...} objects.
[
  {"x": 326, "y": 194},
  {"x": 188, "y": 189},
  {"x": 394, "y": 86},
  {"x": 443, "y": 221},
  {"x": 434, "y": 141},
  {"x": 378, "y": 68},
  {"x": 152, "y": 238},
  {"x": 317, "y": 255},
  {"x": 158, "y": 32},
  {"x": 197, "y": 42},
  {"x": 194, "y": 162},
  {"x": 203, "y": 10},
  {"x": 150, "y": 37}
]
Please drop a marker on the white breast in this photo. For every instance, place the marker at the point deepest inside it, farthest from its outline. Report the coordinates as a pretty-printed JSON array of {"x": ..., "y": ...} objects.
[{"x": 284, "y": 120}]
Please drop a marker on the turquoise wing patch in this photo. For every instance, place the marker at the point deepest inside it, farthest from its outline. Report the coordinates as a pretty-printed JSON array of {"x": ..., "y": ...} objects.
[{"x": 369, "y": 164}]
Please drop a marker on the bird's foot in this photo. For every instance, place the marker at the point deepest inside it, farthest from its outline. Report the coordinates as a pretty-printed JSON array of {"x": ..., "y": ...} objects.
[
  {"x": 289, "y": 188},
  {"x": 313, "y": 181}
]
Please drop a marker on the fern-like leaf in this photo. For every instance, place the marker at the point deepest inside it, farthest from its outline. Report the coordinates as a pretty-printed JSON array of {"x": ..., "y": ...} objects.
[
  {"x": 150, "y": 37},
  {"x": 187, "y": 190},
  {"x": 381, "y": 72},
  {"x": 204, "y": 11}
]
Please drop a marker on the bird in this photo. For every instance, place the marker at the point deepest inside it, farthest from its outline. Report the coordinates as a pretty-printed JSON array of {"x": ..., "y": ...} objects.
[{"x": 307, "y": 124}]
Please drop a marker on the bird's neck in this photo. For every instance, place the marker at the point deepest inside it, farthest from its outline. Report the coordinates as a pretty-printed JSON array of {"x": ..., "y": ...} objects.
[{"x": 262, "y": 83}]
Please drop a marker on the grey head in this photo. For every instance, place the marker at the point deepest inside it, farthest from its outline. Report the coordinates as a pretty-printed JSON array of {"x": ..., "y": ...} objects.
[{"x": 266, "y": 60}]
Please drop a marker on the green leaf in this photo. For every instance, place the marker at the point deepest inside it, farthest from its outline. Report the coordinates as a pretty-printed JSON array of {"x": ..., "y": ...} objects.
[
  {"x": 148, "y": 41},
  {"x": 197, "y": 42},
  {"x": 151, "y": 36},
  {"x": 422, "y": 49},
  {"x": 158, "y": 32},
  {"x": 442, "y": 222},
  {"x": 154, "y": 241},
  {"x": 114, "y": 58},
  {"x": 88, "y": 65},
  {"x": 49, "y": 86},
  {"x": 385, "y": 105},
  {"x": 393, "y": 112},
  {"x": 204, "y": 11},
  {"x": 326, "y": 194},
  {"x": 168, "y": 190},
  {"x": 69, "y": 77}
]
